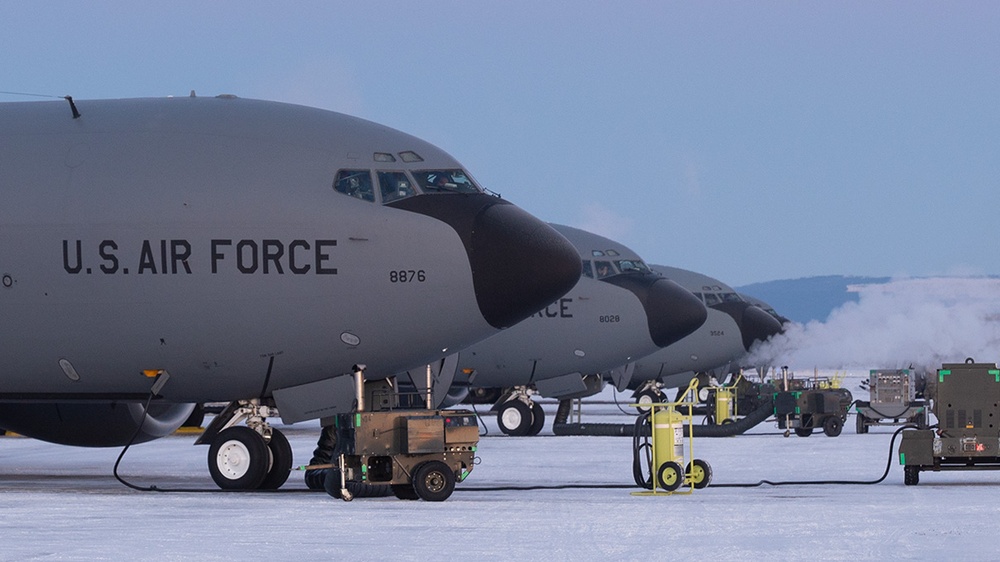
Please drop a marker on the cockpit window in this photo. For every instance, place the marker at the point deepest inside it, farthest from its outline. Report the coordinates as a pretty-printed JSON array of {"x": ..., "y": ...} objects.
[
  {"x": 731, "y": 297},
  {"x": 632, "y": 265},
  {"x": 442, "y": 181},
  {"x": 712, "y": 298},
  {"x": 588, "y": 269},
  {"x": 356, "y": 183},
  {"x": 394, "y": 185},
  {"x": 604, "y": 269}
]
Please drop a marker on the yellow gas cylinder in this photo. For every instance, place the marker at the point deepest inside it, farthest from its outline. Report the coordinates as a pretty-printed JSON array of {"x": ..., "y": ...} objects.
[
  {"x": 723, "y": 405},
  {"x": 668, "y": 437}
]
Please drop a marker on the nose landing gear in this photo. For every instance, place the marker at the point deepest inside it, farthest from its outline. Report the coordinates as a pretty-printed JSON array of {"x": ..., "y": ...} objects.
[{"x": 252, "y": 457}]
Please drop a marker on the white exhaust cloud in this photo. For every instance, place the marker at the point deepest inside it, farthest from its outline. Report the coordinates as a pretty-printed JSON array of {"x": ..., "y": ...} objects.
[{"x": 918, "y": 322}]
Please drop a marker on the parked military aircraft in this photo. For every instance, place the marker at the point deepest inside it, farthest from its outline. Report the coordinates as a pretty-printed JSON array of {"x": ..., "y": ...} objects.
[
  {"x": 732, "y": 327},
  {"x": 238, "y": 250},
  {"x": 618, "y": 312}
]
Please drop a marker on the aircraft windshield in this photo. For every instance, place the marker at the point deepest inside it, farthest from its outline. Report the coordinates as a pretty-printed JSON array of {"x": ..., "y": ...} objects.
[
  {"x": 356, "y": 183},
  {"x": 632, "y": 265},
  {"x": 442, "y": 181},
  {"x": 394, "y": 185}
]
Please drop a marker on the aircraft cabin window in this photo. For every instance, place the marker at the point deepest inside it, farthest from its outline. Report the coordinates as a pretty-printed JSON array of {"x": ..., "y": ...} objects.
[
  {"x": 632, "y": 265},
  {"x": 356, "y": 183},
  {"x": 442, "y": 181},
  {"x": 394, "y": 185},
  {"x": 588, "y": 269},
  {"x": 712, "y": 298},
  {"x": 604, "y": 269}
]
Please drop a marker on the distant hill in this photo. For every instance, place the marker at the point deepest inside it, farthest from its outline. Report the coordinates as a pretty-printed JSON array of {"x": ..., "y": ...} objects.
[{"x": 810, "y": 298}]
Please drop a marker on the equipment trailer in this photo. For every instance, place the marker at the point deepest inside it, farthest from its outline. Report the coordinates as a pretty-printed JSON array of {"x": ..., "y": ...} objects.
[
  {"x": 420, "y": 453},
  {"x": 893, "y": 398},
  {"x": 967, "y": 435}
]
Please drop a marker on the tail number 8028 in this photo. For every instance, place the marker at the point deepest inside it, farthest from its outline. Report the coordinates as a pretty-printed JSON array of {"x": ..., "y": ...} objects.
[{"x": 407, "y": 276}]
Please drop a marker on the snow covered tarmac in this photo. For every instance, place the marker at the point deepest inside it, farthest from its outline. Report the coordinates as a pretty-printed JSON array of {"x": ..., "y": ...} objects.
[{"x": 62, "y": 503}]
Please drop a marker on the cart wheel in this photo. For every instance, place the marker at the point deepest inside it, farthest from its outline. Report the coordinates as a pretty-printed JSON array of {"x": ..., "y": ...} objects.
[
  {"x": 670, "y": 476},
  {"x": 434, "y": 481},
  {"x": 405, "y": 492},
  {"x": 832, "y": 426},
  {"x": 537, "y": 419},
  {"x": 281, "y": 461},
  {"x": 803, "y": 431},
  {"x": 911, "y": 475},
  {"x": 238, "y": 459},
  {"x": 514, "y": 418},
  {"x": 861, "y": 425},
  {"x": 700, "y": 473}
]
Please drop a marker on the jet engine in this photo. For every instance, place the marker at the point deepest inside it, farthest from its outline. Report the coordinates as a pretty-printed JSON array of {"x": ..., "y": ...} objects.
[{"x": 89, "y": 424}]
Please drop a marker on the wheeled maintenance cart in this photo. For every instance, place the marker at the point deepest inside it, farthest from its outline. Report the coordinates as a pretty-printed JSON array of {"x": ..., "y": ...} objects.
[
  {"x": 893, "y": 400},
  {"x": 806, "y": 404},
  {"x": 967, "y": 407},
  {"x": 420, "y": 453},
  {"x": 665, "y": 464}
]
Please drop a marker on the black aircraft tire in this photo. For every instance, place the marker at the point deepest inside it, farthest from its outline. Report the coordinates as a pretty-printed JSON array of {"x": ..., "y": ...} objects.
[
  {"x": 832, "y": 426},
  {"x": 537, "y": 420},
  {"x": 514, "y": 418},
  {"x": 238, "y": 459},
  {"x": 281, "y": 461},
  {"x": 648, "y": 396},
  {"x": 433, "y": 481}
]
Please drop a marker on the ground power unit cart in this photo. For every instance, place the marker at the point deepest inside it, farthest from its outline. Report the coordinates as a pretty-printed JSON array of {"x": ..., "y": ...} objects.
[{"x": 967, "y": 435}]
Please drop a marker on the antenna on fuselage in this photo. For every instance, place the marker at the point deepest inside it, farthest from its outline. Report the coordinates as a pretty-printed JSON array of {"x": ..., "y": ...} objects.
[{"x": 76, "y": 113}]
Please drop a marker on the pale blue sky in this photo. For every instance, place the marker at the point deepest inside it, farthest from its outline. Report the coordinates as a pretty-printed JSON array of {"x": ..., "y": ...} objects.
[{"x": 746, "y": 140}]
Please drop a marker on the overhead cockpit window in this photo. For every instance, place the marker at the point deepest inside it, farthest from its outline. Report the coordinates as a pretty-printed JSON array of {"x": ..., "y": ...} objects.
[
  {"x": 632, "y": 265},
  {"x": 356, "y": 183},
  {"x": 596, "y": 253},
  {"x": 588, "y": 269},
  {"x": 603, "y": 269},
  {"x": 394, "y": 185},
  {"x": 410, "y": 156},
  {"x": 443, "y": 181},
  {"x": 384, "y": 157}
]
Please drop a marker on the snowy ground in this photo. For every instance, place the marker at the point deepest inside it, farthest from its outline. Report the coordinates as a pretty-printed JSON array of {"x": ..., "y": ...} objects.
[{"x": 61, "y": 503}]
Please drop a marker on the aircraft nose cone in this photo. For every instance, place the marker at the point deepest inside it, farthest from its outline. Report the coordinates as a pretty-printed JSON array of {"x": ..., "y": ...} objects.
[
  {"x": 672, "y": 312},
  {"x": 757, "y": 325},
  {"x": 754, "y": 323},
  {"x": 519, "y": 264}
]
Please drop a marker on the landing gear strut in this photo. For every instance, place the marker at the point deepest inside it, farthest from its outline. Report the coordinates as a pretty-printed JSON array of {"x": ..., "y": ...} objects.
[{"x": 254, "y": 457}]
